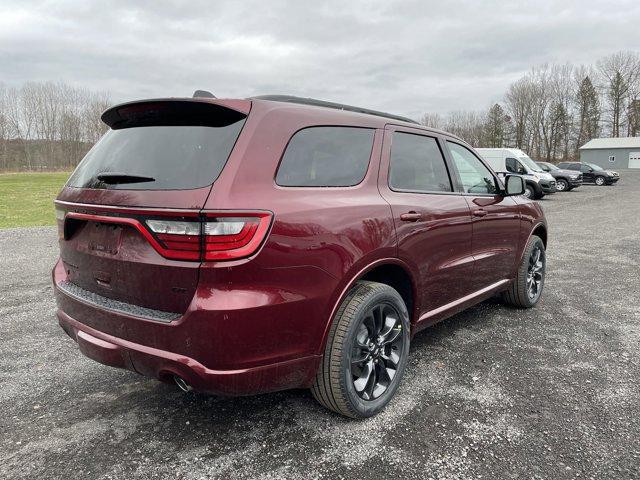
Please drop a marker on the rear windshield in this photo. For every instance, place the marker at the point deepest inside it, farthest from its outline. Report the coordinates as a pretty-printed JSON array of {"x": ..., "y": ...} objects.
[{"x": 168, "y": 157}]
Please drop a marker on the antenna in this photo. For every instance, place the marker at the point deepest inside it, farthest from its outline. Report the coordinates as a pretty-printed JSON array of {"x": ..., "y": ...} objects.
[{"x": 203, "y": 94}]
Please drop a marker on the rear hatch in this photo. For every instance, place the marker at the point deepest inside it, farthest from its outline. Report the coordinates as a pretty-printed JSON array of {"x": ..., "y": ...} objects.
[{"x": 130, "y": 218}]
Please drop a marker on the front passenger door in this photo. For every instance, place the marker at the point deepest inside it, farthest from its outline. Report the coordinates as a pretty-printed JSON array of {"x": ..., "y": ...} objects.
[
  {"x": 496, "y": 219},
  {"x": 587, "y": 173}
]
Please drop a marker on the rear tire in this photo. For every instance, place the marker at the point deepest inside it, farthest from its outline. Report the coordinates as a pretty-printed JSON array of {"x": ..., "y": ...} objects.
[
  {"x": 526, "y": 289},
  {"x": 366, "y": 352},
  {"x": 562, "y": 185}
]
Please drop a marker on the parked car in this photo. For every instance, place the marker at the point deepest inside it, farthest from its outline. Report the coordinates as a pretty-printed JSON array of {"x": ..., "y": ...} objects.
[
  {"x": 512, "y": 160},
  {"x": 592, "y": 173},
  {"x": 565, "y": 179},
  {"x": 245, "y": 246}
]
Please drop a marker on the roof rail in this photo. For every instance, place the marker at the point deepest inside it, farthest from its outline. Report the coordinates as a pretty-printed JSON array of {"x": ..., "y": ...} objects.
[{"x": 337, "y": 106}]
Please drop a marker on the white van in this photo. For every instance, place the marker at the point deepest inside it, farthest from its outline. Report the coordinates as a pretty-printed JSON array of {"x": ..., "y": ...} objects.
[{"x": 512, "y": 160}]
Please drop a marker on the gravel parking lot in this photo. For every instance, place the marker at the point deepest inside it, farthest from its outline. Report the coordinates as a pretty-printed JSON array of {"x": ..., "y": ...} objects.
[{"x": 551, "y": 392}]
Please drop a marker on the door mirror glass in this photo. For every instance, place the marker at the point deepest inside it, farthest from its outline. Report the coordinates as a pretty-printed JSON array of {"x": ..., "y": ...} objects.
[{"x": 514, "y": 185}]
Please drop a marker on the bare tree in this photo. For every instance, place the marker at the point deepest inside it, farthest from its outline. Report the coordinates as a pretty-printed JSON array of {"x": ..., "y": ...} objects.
[
  {"x": 433, "y": 120},
  {"x": 93, "y": 126},
  {"x": 49, "y": 125},
  {"x": 620, "y": 76},
  {"x": 466, "y": 125},
  {"x": 519, "y": 99}
]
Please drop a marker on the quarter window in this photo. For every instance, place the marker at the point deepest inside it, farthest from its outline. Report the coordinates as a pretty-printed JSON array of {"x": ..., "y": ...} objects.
[
  {"x": 326, "y": 157},
  {"x": 475, "y": 177},
  {"x": 417, "y": 164}
]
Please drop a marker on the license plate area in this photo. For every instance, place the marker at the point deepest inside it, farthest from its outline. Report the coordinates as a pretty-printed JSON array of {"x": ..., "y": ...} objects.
[{"x": 104, "y": 238}]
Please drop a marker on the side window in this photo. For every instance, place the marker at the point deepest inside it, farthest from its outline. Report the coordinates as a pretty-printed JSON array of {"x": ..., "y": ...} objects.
[
  {"x": 326, "y": 157},
  {"x": 514, "y": 166},
  {"x": 475, "y": 177},
  {"x": 585, "y": 168},
  {"x": 417, "y": 164}
]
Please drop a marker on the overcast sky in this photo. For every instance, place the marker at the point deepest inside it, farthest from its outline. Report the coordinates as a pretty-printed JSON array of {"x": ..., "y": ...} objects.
[{"x": 404, "y": 57}]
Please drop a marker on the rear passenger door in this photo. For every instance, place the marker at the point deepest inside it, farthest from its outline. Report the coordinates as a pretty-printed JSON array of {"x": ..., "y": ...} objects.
[
  {"x": 432, "y": 222},
  {"x": 496, "y": 218}
]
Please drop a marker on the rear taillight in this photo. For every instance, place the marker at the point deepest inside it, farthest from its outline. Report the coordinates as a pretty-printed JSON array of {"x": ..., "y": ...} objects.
[
  {"x": 180, "y": 240},
  {"x": 194, "y": 236},
  {"x": 219, "y": 236},
  {"x": 227, "y": 237}
]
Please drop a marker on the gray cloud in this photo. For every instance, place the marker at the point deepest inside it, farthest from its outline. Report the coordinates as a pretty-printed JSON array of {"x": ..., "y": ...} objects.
[{"x": 407, "y": 56}]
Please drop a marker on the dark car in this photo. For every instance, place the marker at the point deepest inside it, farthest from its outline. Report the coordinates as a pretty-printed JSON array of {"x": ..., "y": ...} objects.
[
  {"x": 565, "y": 179},
  {"x": 592, "y": 173},
  {"x": 245, "y": 246}
]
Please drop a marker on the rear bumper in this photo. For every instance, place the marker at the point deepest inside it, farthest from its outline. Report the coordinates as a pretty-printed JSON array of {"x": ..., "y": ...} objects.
[
  {"x": 235, "y": 342},
  {"x": 163, "y": 365}
]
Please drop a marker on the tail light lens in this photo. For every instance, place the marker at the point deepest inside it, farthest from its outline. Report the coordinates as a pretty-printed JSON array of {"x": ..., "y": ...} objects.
[
  {"x": 226, "y": 237},
  {"x": 221, "y": 236}
]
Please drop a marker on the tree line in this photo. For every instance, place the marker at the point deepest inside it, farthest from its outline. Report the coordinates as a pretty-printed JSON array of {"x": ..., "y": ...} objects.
[
  {"x": 48, "y": 125},
  {"x": 549, "y": 113},
  {"x": 555, "y": 109}
]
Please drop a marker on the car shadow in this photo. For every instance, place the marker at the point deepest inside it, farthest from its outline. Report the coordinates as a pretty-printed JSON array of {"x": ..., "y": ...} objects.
[{"x": 270, "y": 408}]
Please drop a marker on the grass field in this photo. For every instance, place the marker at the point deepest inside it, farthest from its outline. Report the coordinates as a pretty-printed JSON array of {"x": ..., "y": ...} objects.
[{"x": 26, "y": 199}]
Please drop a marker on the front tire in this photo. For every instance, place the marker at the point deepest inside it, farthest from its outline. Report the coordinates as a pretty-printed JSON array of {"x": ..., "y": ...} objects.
[
  {"x": 526, "y": 289},
  {"x": 562, "y": 185},
  {"x": 529, "y": 192},
  {"x": 600, "y": 181},
  {"x": 366, "y": 352}
]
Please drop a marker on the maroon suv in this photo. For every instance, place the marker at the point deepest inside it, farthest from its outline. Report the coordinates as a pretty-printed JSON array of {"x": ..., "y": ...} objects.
[{"x": 245, "y": 246}]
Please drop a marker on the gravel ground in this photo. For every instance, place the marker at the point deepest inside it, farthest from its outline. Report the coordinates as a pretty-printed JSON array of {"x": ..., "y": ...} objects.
[{"x": 551, "y": 392}]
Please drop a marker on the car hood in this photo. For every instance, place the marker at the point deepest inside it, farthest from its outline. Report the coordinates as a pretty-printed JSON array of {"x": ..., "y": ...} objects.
[{"x": 545, "y": 176}]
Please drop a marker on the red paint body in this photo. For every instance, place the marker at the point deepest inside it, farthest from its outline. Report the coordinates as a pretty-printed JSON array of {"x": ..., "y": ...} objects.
[{"x": 259, "y": 324}]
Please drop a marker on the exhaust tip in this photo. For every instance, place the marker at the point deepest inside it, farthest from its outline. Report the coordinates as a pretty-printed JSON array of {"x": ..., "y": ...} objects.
[{"x": 182, "y": 384}]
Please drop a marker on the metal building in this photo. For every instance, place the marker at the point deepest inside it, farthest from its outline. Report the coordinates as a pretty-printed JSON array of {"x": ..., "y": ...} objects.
[{"x": 622, "y": 152}]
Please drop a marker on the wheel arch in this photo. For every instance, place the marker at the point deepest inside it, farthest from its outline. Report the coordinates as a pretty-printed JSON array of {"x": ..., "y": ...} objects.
[
  {"x": 390, "y": 271},
  {"x": 540, "y": 230}
]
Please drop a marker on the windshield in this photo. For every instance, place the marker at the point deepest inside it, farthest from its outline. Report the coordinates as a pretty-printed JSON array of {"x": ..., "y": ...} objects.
[
  {"x": 530, "y": 163},
  {"x": 157, "y": 158},
  {"x": 596, "y": 167}
]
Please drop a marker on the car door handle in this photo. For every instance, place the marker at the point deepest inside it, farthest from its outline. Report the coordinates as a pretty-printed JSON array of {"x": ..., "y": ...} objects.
[
  {"x": 410, "y": 217},
  {"x": 479, "y": 213}
]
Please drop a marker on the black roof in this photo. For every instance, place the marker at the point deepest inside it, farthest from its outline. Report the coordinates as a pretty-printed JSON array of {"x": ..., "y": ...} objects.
[{"x": 337, "y": 106}]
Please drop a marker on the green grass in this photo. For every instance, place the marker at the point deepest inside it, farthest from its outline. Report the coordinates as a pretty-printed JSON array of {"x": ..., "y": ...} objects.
[{"x": 26, "y": 199}]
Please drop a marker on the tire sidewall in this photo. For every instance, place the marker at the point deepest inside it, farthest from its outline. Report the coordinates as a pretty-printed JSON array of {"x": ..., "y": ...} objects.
[
  {"x": 524, "y": 267},
  {"x": 368, "y": 408},
  {"x": 531, "y": 192},
  {"x": 602, "y": 181},
  {"x": 564, "y": 183}
]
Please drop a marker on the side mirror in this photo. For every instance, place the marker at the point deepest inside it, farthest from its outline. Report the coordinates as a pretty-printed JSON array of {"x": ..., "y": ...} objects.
[{"x": 514, "y": 185}]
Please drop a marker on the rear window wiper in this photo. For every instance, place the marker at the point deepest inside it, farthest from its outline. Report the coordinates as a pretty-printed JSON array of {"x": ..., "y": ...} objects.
[{"x": 113, "y": 178}]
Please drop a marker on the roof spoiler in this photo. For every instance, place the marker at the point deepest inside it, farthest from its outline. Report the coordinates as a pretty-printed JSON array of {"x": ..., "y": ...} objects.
[{"x": 172, "y": 112}]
